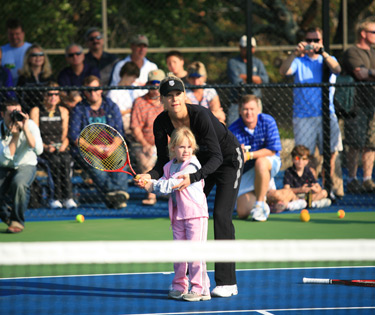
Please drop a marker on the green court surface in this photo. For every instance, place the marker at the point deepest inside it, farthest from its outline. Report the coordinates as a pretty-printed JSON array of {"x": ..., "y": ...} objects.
[{"x": 279, "y": 226}]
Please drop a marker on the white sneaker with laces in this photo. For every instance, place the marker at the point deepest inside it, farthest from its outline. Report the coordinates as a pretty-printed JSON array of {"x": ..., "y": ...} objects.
[
  {"x": 260, "y": 213},
  {"x": 224, "y": 290},
  {"x": 297, "y": 205},
  {"x": 70, "y": 203},
  {"x": 55, "y": 204},
  {"x": 325, "y": 202}
]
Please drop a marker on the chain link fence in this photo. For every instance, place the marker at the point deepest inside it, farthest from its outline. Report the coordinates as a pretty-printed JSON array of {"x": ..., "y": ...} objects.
[{"x": 277, "y": 101}]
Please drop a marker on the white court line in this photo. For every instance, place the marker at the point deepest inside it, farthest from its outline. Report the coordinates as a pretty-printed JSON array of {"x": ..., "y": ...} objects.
[{"x": 265, "y": 311}]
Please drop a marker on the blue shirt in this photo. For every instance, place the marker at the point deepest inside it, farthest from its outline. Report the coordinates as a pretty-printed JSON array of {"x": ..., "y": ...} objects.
[
  {"x": 68, "y": 78},
  {"x": 265, "y": 135},
  {"x": 308, "y": 101}
]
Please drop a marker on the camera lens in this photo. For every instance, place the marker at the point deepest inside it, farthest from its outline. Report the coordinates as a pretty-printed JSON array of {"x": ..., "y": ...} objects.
[{"x": 16, "y": 116}]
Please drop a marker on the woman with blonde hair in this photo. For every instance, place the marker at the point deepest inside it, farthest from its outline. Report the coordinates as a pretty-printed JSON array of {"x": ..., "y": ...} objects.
[{"x": 36, "y": 71}]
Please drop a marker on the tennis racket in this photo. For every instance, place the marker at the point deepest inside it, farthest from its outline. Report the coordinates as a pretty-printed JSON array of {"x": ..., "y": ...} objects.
[
  {"x": 103, "y": 147},
  {"x": 360, "y": 283}
]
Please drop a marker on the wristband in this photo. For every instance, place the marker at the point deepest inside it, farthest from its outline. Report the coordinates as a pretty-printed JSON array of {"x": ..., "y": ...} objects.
[{"x": 251, "y": 155}]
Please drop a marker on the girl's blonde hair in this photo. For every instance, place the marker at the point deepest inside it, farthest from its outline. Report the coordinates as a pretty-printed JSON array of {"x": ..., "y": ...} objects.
[
  {"x": 26, "y": 69},
  {"x": 178, "y": 135}
]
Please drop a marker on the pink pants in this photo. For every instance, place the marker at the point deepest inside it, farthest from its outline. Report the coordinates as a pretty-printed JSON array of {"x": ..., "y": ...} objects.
[{"x": 194, "y": 230}]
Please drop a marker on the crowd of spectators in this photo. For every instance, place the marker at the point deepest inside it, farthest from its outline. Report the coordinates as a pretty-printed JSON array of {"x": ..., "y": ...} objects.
[{"x": 61, "y": 115}]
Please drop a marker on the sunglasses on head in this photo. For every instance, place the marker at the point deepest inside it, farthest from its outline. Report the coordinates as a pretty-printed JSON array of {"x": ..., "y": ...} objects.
[
  {"x": 315, "y": 40},
  {"x": 39, "y": 54},
  {"x": 98, "y": 37},
  {"x": 76, "y": 53},
  {"x": 298, "y": 158},
  {"x": 52, "y": 94}
]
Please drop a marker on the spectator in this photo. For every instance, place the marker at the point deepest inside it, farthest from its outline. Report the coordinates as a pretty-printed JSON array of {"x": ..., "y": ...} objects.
[
  {"x": 221, "y": 158},
  {"x": 70, "y": 99},
  {"x": 138, "y": 46},
  {"x": 99, "y": 109},
  {"x": 124, "y": 98},
  {"x": 14, "y": 51},
  {"x": 305, "y": 63},
  {"x": 36, "y": 71},
  {"x": 78, "y": 70},
  {"x": 237, "y": 74},
  {"x": 6, "y": 80},
  {"x": 262, "y": 163},
  {"x": 145, "y": 110},
  {"x": 208, "y": 98},
  {"x": 188, "y": 212},
  {"x": 19, "y": 146},
  {"x": 175, "y": 63},
  {"x": 53, "y": 122},
  {"x": 359, "y": 62},
  {"x": 301, "y": 180},
  {"x": 96, "y": 56}
]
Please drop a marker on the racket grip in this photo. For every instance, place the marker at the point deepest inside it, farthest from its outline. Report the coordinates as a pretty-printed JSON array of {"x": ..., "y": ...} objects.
[{"x": 316, "y": 280}]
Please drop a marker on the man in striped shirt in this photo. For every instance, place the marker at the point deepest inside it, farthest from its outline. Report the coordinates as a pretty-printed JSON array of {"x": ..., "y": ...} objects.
[{"x": 262, "y": 160}]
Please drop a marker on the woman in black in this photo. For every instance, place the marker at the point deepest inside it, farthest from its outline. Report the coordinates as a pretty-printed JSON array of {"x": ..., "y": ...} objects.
[{"x": 222, "y": 162}]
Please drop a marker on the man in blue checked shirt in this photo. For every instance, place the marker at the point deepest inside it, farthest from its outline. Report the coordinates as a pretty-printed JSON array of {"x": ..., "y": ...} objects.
[{"x": 262, "y": 160}]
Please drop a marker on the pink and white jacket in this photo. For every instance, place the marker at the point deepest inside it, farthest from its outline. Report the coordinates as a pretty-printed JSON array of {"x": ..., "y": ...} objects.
[{"x": 190, "y": 202}]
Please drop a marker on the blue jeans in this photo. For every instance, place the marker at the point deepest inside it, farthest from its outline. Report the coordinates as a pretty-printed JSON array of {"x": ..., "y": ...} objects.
[
  {"x": 109, "y": 181},
  {"x": 15, "y": 192}
]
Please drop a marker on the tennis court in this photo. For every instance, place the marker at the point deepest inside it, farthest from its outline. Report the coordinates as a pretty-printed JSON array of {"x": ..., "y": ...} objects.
[{"x": 265, "y": 291}]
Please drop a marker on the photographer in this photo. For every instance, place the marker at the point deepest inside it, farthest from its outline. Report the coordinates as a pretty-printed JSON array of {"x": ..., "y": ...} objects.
[
  {"x": 19, "y": 146},
  {"x": 306, "y": 64}
]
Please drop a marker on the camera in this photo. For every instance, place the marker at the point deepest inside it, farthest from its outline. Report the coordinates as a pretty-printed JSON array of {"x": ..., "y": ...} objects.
[
  {"x": 16, "y": 116},
  {"x": 309, "y": 47}
]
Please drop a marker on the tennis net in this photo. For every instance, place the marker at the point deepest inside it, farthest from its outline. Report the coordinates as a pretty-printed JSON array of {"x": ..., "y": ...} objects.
[{"x": 134, "y": 277}]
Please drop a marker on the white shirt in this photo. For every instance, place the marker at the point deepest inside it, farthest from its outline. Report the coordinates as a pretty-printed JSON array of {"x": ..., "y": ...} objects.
[
  {"x": 25, "y": 155},
  {"x": 140, "y": 81}
]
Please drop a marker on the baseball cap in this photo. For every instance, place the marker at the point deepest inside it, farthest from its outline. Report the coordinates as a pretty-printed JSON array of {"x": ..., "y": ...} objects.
[
  {"x": 156, "y": 75},
  {"x": 171, "y": 85},
  {"x": 92, "y": 30},
  {"x": 139, "y": 40},
  {"x": 243, "y": 41},
  {"x": 196, "y": 70}
]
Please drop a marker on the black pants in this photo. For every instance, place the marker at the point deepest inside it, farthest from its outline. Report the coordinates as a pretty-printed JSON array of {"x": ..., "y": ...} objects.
[{"x": 227, "y": 180}]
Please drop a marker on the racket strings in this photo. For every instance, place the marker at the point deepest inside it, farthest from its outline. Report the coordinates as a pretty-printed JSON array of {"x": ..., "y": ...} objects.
[{"x": 103, "y": 148}]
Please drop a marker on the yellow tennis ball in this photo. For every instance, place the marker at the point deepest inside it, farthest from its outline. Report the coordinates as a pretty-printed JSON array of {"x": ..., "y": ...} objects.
[
  {"x": 341, "y": 214},
  {"x": 80, "y": 218},
  {"x": 305, "y": 215},
  {"x": 137, "y": 176}
]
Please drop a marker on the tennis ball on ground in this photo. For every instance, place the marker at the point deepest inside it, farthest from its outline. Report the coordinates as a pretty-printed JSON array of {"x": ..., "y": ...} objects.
[
  {"x": 341, "y": 214},
  {"x": 305, "y": 215},
  {"x": 80, "y": 218}
]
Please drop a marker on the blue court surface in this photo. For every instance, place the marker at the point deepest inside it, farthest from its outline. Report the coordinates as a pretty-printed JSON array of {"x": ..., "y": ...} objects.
[{"x": 265, "y": 291}]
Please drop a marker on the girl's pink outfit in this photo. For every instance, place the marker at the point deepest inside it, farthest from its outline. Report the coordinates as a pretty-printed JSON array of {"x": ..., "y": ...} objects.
[{"x": 188, "y": 212}]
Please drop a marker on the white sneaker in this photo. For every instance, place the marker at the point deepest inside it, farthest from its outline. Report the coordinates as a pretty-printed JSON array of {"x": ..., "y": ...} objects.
[
  {"x": 260, "y": 213},
  {"x": 70, "y": 203},
  {"x": 55, "y": 204},
  {"x": 325, "y": 202},
  {"x": 224, "y": 290},
  {"x": 296, "y": 205}
]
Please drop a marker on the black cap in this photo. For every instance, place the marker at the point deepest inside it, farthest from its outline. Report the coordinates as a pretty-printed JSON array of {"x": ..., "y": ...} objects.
[{"x": 171, "y": 85}]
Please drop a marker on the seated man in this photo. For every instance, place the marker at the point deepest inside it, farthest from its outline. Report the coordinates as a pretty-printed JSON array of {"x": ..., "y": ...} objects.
[
  {"x": 99, "y": 109},
  {"x": 19, "y": 146},
  {"x": 262, "y": 162}
]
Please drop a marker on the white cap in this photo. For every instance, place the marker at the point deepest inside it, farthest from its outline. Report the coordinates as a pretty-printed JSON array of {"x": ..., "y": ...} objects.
[{"x": 243, "y": 41}]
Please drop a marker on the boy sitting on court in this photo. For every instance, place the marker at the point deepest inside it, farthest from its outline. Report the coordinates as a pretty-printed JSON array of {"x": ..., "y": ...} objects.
[{"x": 300, "y": 179}]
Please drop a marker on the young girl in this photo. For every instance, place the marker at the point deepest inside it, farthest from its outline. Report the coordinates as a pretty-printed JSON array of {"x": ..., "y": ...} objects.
[{"x": 188, "y": 212}]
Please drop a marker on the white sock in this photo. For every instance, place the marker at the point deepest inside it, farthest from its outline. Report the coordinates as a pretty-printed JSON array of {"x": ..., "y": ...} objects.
[
  {"x": 350, "y": 179},
  {"x": 367, "y": 178},
  {"x": 259, "y": 203}
]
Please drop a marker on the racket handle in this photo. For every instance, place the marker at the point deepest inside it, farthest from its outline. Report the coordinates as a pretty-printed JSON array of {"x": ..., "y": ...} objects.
[{"x": 316, "y": 280}]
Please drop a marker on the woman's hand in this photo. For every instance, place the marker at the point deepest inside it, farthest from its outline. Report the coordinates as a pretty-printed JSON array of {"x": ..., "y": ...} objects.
[{"x": 184, "y": 183}]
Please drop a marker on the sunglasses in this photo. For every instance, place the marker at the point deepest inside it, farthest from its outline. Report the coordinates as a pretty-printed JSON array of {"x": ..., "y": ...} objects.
[
  {"x": 298, "y": 158},
  {"x": 98, "y": 37},
  {"x": 39, "y": 54},
  {"x": 76, "y": 54},
  {"x": 154, "y": 82},
  {"x": 52, "y": 94},
  {"x": 315, "y": 40},
  {"x": 372, "y": 32}
]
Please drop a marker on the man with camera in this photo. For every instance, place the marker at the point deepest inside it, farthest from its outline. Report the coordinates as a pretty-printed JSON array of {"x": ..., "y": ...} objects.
[
  {"x": 306, "y": 64},
  {"x": 19, "y": 146}
]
